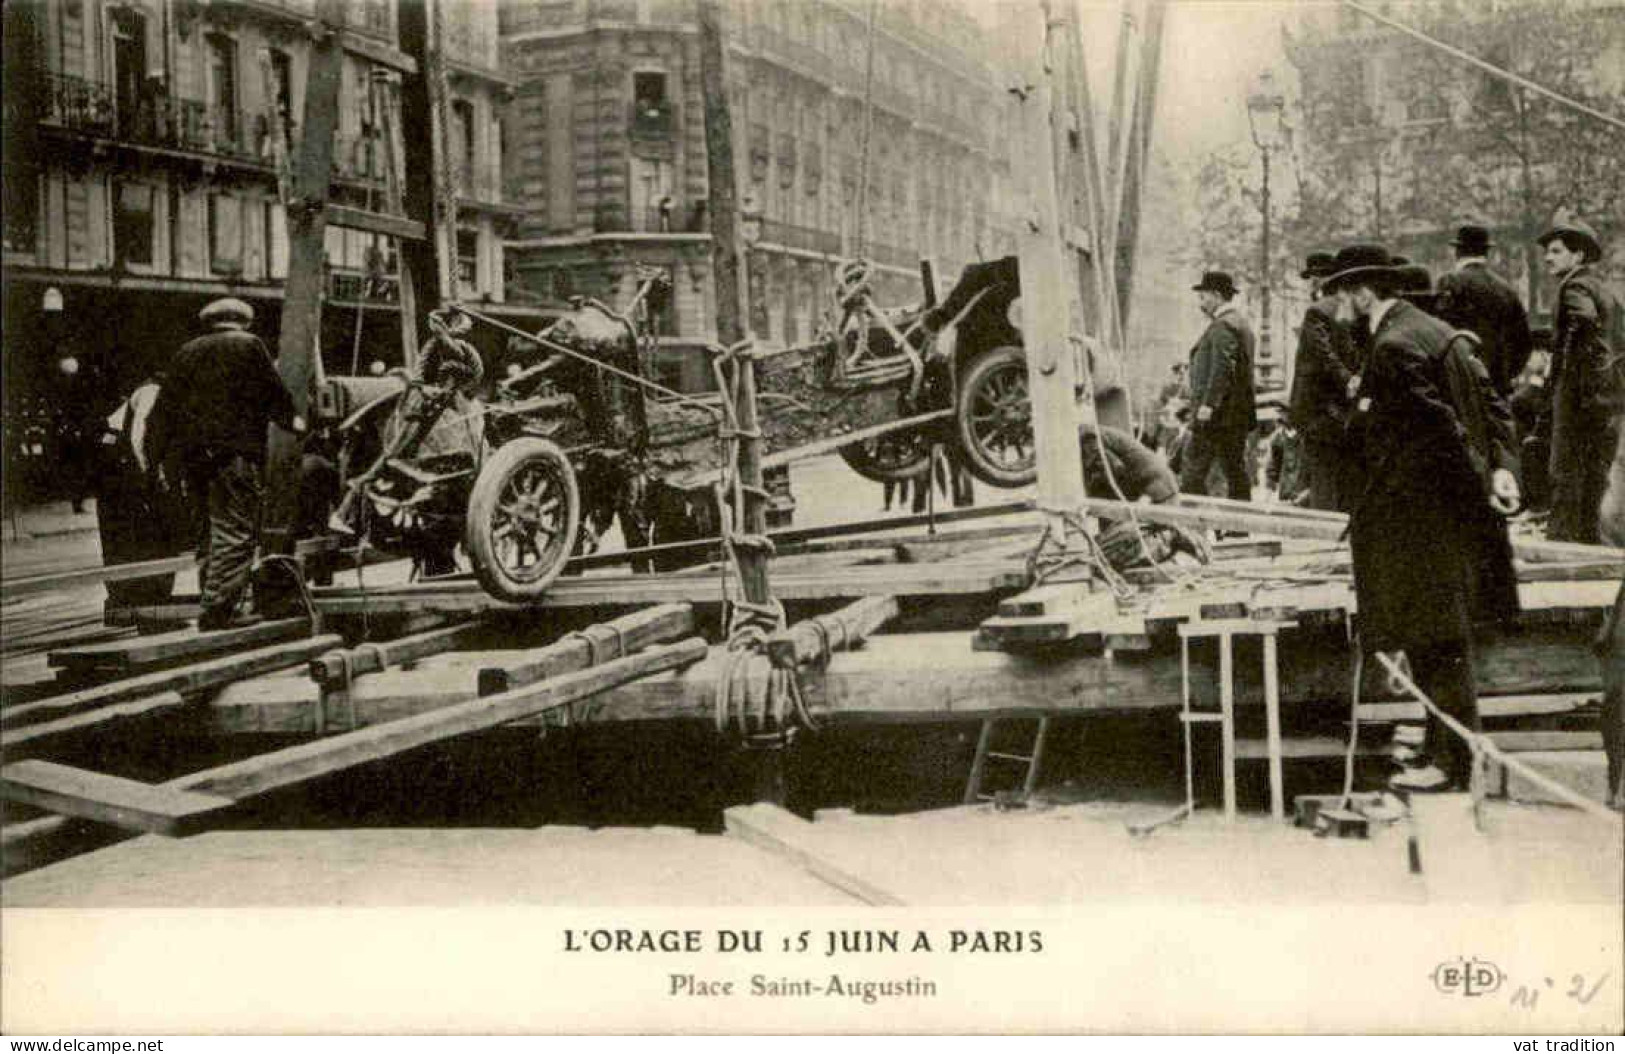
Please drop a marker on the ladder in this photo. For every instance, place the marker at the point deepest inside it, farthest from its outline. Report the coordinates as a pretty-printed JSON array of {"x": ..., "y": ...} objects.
[{"x": 985, "y": 753}]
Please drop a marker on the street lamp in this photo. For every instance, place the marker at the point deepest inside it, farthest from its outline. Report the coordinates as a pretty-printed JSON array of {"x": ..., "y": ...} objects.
[{"x": 1265, "y": 109}]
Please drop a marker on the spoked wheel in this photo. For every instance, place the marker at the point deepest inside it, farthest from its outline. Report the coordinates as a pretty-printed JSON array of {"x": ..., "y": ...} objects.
[
  {"x": 994, "y": 419},
  {"x": 889, "y": 458},
  {"x": 523, "y": 516}
]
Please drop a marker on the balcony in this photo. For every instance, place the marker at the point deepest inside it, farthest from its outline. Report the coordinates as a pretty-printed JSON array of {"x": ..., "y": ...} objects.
[
  {"x": 809, "y": 239},
  {"x": 358, "y": 287},
  {"x": 652, "y": 128},
  {"x": 89, "y": 108}
]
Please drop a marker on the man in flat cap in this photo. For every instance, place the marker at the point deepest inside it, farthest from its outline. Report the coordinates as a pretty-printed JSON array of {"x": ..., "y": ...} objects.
[
  {"x": 221, "y": 392},
  {"x": 1587, "y": 382},
  {"x": 1427, "y": 535},
  {"x": 1473, "y": 297},
  {"x": 1319, "y": 404},
  {"x": 1221, "y": 383}
]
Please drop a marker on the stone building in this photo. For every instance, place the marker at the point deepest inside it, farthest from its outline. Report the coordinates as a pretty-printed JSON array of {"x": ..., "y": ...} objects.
[
  {"x": 607, "y": 153},
  {"x": 147, "y": 146}
]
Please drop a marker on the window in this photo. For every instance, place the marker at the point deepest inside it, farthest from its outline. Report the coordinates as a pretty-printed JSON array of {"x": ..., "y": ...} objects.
[
  {"x": 462, "y": 130},
  {"x": 225, "y": 234},
  {"x": 282, "y": 89},
  {"x": 132, "y": 224},
  {"x": 223, "y": 87},
  {"x": 468, "y": 254},
  {"x": 276, "y": 239},
  {"x": 135, "y": 119}
]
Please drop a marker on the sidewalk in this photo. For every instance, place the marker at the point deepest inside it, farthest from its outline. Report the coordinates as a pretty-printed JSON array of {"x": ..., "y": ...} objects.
[{"x": 48, "y": 520}]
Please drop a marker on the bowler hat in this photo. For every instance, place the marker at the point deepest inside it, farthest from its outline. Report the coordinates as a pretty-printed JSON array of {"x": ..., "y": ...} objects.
[
  {"x": 1472, "y": 239},
  {"x": 1216, "y": 282},
  {"x": 1316, "y": 265},
  {"x": 1575, "y": 229},
  {"x": 1416, "y": 285},
  {"x": 1354, "y": 262},
  {"x": 227, "y": 311}
]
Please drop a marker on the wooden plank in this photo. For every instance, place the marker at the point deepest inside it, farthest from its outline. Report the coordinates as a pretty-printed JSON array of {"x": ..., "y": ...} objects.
[
  {"x": 606, "y": 640},
  {"x": 786, "y": 835},
  {"x": 31, "y": 739},
  {"x": 944, "y": 579},
  {"x": 176, "y": 646},
  {"x": 838, "y": 631},
  {"x": 308, "y": 761},
  {"x": 1488, "y": 706},
  {"x": 11, "y": 588},
  {"x": 376, "y": 222},
  {"x": 1051, "y": 599},
  {"x": 113, "y": 800},
  {"x": 183, "y": 679},
  {"x": 329, "y": 670}
]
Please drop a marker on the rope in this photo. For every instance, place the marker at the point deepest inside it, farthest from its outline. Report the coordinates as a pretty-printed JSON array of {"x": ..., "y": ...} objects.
[
  {"x": 1488, "y": 67},
  {"x": 1482, "y": 746}
]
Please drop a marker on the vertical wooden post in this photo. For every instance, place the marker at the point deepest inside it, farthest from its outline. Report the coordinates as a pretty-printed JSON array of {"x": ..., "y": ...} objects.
[
  {"x": 728, "y": 275},
  {"x": 1046, "y": 306},
  {"x": 300, "y": 338},
  {"x": 1127, "y": 234},
  {"x": 426, "y": 280}
]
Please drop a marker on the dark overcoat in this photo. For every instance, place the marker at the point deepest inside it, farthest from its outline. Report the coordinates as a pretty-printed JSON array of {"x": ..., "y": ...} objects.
[
  {"x": 1431, "y": 556},
  {"x": 1221, "y": 375},
  {"x": 1475, "y": 298},
  {"x": 1588, "y": 391},
  {"x": 1319, "y": 405}
]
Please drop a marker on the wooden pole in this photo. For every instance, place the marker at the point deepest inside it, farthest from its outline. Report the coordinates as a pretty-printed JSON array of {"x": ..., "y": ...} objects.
[
  {"x": 302, "y": 301},
  {"x": 1127, "y": 234},
  {"x": 1046, "y": 305},
  {"x": 425, "y": 264}
]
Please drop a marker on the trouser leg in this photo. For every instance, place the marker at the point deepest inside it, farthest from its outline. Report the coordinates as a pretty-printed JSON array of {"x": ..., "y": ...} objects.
[
  {"x": 1198, "y": 461},
  {"x": 1445, "y": 673},
  {"x": 1233, "y": 462},
  {"x": 234, "y": 512}
]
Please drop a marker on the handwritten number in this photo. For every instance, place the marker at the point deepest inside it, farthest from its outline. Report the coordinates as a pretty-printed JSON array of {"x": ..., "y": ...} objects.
[{"x": 1579, "y": 985}]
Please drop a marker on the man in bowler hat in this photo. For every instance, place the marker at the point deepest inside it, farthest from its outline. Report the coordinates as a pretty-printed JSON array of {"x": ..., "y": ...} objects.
[
  {"x": 1221, "y": 384},
  {"x": 1319, "y": 404},
  {"x": 1588, "y": 379},
  {"x": 1475, "y": 298},
  {"x": 1427, "y": 534},
  {"x": 221, "y": 393}
]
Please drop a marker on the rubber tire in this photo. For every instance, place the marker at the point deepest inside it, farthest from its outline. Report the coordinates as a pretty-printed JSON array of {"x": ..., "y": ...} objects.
[
  {"x": 482, "y": 502},
  {"x": 859, "y": 460},
  {"x": 980, "y": 465}
]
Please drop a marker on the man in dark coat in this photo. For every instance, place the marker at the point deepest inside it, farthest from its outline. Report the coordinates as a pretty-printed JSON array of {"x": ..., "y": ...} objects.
[
  {"x": 222, "y": 392},
  {"x": 1319, "y": 405},
  {"x": 1588, "y": 380},
  {"x": 1221, "y": 382},
  {"x": 1475, "y": 298},
  {"x": 1429, "y": 544}
]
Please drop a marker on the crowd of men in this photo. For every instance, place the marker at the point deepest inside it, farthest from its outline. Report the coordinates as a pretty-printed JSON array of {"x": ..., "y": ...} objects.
[{"x": 1424, "y": 411}]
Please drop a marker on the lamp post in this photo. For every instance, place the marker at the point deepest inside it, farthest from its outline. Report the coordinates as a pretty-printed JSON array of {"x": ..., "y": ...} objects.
[{"x": 1265, "y": 109}]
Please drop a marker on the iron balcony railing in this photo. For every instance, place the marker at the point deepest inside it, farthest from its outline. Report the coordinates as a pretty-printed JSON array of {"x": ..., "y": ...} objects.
[{"x": 155, "y": 119}]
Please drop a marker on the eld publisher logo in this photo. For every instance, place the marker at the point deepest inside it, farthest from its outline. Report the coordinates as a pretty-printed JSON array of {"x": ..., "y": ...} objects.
[{"x": 1468, "y": 977}]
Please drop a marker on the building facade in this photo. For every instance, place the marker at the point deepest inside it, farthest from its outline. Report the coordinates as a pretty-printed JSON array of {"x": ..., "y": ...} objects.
[
  {"x": 149, "y": 147},
  {"x": 895, "y": 159}
]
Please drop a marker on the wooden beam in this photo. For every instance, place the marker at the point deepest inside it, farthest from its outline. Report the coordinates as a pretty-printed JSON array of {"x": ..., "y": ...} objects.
[
  {"x": 379, "y": 52},
  {"x": 106, "y": 799},
  {"x": 184, "y": 679},
  {"x": 328, "y": 670},
  {"x": 1046, "y": 306},
  {"x": 376, "y": 222},
  {"x": 1137, "y": 150},
  {"x": 607, "y": 640},
  {"x": 31, "y": 739},
  {"x": 307, "y": 761},
  {"x": 841, "y": 630},
  {"x": 12, "y": 588},
  {"x": 784, "y": 834},
  {"x": 149, "y": 650}
]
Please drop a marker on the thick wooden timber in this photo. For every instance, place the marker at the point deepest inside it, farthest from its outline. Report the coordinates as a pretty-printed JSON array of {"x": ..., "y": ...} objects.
[
  {"x": 937, "y": 677},
  {"x": 1494, "y": 706},
  {"x": 131, "y": 655},
  {"x": 952, "y": 578},
  {"x": 710, "y": 548},
  {"x": 811, "y": 847},
  {"x": 605, "y": 640},
  {"x": 282, "y": 768},
  {"x": 11, "y": 588},
  {"x": 811, "y": 640},
  {"x": 376, "y": 222},
  {"x": 185, "y": 679},
  {"x": 32, "y": 739},
  {"x": 113, "y": 800},
  {"x": 329, "y": 670}
]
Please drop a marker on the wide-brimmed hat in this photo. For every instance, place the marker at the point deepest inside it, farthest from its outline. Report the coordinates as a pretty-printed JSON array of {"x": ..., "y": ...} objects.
[
  {"x": 1472, "y": 239},
  {"x": 227, "y": 311},
  {"x": 1576, "y": 229},
  {"x": 1317, "y": 265},
  {"x": 1415, "y": 284},
  {"x": 1216, "y": 282},
  {"x": 1354, "y": 262}
]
